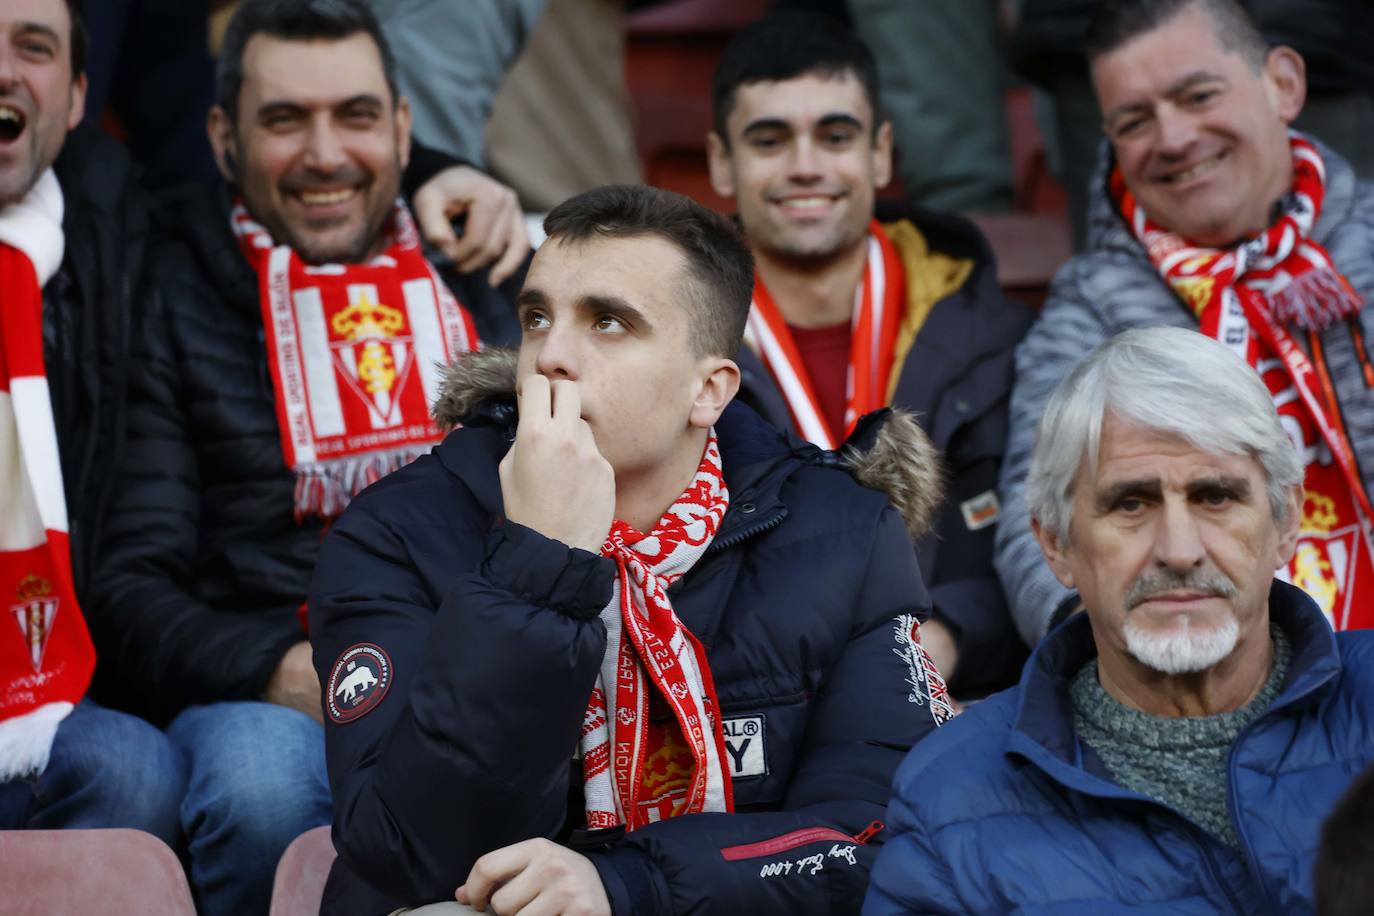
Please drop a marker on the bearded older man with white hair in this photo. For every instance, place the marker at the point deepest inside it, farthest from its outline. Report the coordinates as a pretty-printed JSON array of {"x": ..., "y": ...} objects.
[{"x": 1176, "y": 747}]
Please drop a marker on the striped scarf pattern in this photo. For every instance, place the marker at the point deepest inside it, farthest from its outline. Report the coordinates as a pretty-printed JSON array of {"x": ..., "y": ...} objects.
[
  {"x": 652, "y": 744},
  {"x": 46, "y": 655}
]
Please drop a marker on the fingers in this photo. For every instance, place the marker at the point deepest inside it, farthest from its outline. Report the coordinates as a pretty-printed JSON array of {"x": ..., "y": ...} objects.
[
  {"x": 434, "y": 217},
  {"x": 517, "y": 248},
  {"x": 493, "y": 870},
  {"x": 534, "y": 400},
  {"x": 567, "y": 402}
]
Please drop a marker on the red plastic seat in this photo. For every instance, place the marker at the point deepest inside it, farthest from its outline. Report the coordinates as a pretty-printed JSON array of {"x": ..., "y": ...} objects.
[
  {"x": 93, "y": 872},
  {"x": 301, "y": 873}
]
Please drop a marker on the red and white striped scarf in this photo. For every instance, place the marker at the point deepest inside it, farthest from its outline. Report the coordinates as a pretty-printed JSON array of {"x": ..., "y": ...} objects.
[
  {"x": 46, "y": 656},
  {"x": 356, "y": 352},
  {"x": 1247, "y": 297},
  {"x": 879, "y": 303},
  {"x": 652, "y": 743}
]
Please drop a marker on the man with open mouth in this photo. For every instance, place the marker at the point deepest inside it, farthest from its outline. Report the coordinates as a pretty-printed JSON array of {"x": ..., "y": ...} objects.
[
  {"x": 71, "y": 230},
  {"x": 288, "y": 361},
  {"x": 1212, "y": 214}
]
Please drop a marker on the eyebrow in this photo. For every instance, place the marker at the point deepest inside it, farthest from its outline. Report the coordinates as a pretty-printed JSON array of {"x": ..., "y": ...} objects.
[
  {"x": 1178, "y": 88},
  {"x": 832, "y": 119},
  {"x": 596, "y": 303},
  {"x": 614, "y": 306},
  {"x": 1143, "y": 488},
  {"x": 288, "y": 106},
  {"x": 1238, "y": 487},
  {"x": 24, "y": 28}
]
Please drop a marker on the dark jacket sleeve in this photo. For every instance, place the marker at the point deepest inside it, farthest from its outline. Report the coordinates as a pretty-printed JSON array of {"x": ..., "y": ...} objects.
[
  {"x": 438, "y": 772},
  {"x": 805, "y": 858},
  {"x": 162, "y": 643}
]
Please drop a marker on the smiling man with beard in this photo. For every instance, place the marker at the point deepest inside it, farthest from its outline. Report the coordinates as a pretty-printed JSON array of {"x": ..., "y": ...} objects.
[
  {"x": 289, "y": 359},
  {"x": 1177, "y": 745}
]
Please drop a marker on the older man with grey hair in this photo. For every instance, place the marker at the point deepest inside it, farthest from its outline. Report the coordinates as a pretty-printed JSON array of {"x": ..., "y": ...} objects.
[{"x": 1177, "y": 746}]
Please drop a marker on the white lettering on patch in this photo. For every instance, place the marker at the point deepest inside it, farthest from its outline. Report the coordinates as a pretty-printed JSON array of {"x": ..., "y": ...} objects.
[
  {"x": 927, "y": 687},
  {"x": 744, "y": 746}
]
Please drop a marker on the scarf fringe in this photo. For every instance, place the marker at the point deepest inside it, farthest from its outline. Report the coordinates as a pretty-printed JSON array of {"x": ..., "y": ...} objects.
[
  {"x": 26, "y": 741},
  {"x": 1314, "y": 301},
  {"x": 325, "y": 488}
]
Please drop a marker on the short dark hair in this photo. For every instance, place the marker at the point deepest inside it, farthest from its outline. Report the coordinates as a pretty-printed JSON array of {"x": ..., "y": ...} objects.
[
  {"x": 294, "y": 20},
  {"x": 79, "y": 39},
  {"x": 1117, "y": 22},
  {"x": 1343, "y": 879},
  {"x": 785, "y": 46},
  {"x": 719, "y": 266}
]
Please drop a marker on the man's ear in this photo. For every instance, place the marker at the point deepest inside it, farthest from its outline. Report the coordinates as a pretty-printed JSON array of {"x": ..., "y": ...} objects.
[
  {"x": 220, "y": 128},
  {"x": 1285, "y": 82},
  {"x": 1055, "y": 555},
  {"x": 718, "y": 388},
  {"x": 882, "y": 155},
  {"x": 403, "y": 122},
  {"x": 722, "y": 169},
  {"x": 1291, "y": 525},
  {"x": 78, "y": 102}
]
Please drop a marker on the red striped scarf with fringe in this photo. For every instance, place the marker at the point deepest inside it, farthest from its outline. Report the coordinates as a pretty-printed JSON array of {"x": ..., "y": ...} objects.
[{"x": 356, "y": 352}]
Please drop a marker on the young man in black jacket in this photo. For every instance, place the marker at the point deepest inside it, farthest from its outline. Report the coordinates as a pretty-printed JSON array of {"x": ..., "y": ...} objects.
[
  {"x": 618, "y": 645},
  {"x": 856, "y": 308},
  {"x": 288, "y": 359}
]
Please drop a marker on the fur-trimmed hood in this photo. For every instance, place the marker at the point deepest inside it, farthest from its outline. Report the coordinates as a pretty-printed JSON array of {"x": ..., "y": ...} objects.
[{"x": 888, "y": 452}]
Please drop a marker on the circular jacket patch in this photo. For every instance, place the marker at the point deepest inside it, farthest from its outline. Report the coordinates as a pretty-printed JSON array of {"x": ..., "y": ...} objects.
[{"x": 357, "y": 682}]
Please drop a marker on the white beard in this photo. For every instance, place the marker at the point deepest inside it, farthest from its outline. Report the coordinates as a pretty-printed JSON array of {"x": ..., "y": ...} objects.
[{"x": 1182, "y": 650}]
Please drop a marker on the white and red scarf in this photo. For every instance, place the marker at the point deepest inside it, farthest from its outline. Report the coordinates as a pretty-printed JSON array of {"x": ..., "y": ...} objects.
[
  {"x": 879, "y": 304},
  {"x": 46, "y": 656},
  {"x": 356, "y": 352},
  {"x": 652, "y": 743},
  {"x": 1249, "y": 297}
]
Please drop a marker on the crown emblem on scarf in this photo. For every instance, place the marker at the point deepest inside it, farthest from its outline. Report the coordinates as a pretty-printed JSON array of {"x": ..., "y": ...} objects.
[
  {"x": 31, "y": 587},
  {"x": 369, "y": 323},
  {"x": 1318, "y": 514}
]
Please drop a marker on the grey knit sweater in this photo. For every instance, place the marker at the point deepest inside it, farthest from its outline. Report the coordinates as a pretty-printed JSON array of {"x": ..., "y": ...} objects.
[{"x": 1180, "y": 761}]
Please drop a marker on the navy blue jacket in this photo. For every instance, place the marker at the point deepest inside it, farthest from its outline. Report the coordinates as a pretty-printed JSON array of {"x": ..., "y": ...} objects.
[
  {"x": 493, "y": 639},
  {"x": 956, "y": 380},
  {"x": 1006, "y": 810}
]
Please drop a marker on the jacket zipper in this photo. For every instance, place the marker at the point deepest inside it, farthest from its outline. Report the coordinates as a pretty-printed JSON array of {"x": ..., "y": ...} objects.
[
  {"x": 768, "y": 523},
  {"x": 803, "y": 837}
]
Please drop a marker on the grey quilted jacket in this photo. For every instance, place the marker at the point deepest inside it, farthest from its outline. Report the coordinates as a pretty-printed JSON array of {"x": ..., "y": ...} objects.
[{"x": 1111, "y": 287}]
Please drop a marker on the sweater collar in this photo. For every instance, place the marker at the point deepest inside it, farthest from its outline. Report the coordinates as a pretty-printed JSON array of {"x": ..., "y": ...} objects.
[{"x": 1043, "y": 727}]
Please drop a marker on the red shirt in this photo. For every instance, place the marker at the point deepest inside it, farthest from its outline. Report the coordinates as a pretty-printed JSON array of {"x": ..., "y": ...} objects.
[{"x": 825, "y": 353}]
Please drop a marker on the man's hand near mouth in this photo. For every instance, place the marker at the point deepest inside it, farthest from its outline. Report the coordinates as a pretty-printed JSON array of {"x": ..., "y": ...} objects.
[{"x": 554, "y": 479}]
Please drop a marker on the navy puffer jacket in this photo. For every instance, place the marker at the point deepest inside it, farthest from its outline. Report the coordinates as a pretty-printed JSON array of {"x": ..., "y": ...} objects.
[
  {"x": 804, "y": 601},
  {"x": 1007, "y": 811}
]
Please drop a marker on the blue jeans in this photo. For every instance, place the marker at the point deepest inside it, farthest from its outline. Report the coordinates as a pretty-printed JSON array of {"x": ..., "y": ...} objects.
[
  {"x": 106, "y": 769},
  {"x": 257, "y": 781}
]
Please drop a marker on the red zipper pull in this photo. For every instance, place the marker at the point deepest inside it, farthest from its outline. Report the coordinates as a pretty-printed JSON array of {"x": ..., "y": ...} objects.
[{"x": 869, "y": 833}]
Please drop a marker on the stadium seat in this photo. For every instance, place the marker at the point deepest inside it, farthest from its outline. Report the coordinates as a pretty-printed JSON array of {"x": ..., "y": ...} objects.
[
  {"x": 91, "y": 872},
  {"x": 301, "y": 874}
]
